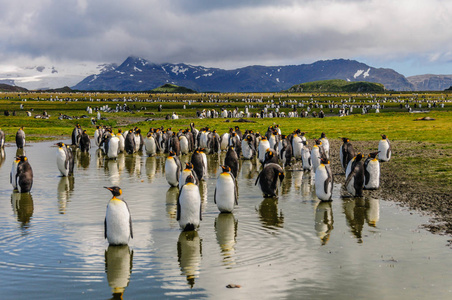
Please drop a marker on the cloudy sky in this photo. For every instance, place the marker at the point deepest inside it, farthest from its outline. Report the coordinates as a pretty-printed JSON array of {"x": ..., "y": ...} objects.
[{"x": 411, "y": 36}]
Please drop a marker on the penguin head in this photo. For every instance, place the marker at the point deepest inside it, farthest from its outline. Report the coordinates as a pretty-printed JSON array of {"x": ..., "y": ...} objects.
[
  {"x": 373, "y": 154},
  {"x": 323, "y": 135},
  {"x": 264, "y": 138},
  {"x": 324, "y": 160},
  {"x": 119, "y": 130},
  {"x": 383, "y": 136},
  {"x": 149, "y": 134},
  {"x": 358, "y": 157},
  {"x": 23, "y": 158},
  {"x": 17, "y": 159},
  {"x": 249, "y": 138},
  {"x": 281, "y": 176},
  {"x": 115, "y": 190},
  {"x": 345, "y": 140},
  {"x": 202, "y": 150},
  {"x": 190, "y": 179},
  {"x": 269, "y": 152},
  {"x": 226, "y": 169},
  {"x": 188, "y": 166},
  {"x": 60, "y": 144},
  {"x": 172, "y": 153}
]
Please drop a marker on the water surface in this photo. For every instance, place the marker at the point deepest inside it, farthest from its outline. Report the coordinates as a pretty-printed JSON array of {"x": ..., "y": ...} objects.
[{"x": 52, "y": 242}]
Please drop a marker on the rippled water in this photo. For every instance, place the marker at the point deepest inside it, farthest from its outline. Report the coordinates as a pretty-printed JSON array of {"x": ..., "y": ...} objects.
[{"x": 52, "y": 245}]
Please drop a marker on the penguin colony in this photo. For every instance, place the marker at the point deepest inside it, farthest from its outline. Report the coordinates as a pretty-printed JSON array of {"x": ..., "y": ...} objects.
[{"x": 273, "y": 150}]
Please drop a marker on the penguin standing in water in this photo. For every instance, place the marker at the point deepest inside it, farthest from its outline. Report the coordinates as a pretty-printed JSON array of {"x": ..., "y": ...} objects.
[
  {"x": 20, "y": 138},
  {"x": 285, "y": 153},
  {"x": 306, "y": 157},
  {"x": 85, "y": 143},
  {"x": 198, "y": 163},
  {"x": 316, "y": 154},
  {"x": 232, "y": 161},
  {"x": 150, "y": 145},
  {"x": 264, "y": 144},
  {"x": 118, "y": 221},
  {"x": 225, "y": 196},
  {"x": 248, "y": 147},
  {"x": 98, "y": 133},
  {"x": 354, "y": 182},
  {"x": 268, "y": 179},
  {"x": 129, "y": 143},
  {"x": 24, "y": 175},
  {"x": 113, "y": 147},
  {"x": 384, "y": 147},
  {"x": 324, "y": 180},
  {"x": 186, "y": 172},
  {"x": 121, "y": 141},
  {"x": 172, "y": 169},
  {"x": 12, "y": 174},
  {"x": 270, "y": 157},
  {"x": 189, "y": 205},
  {"x": 347, "y": 152},
  {"x": 65, "y": 159},
  {"x": 76, "y": 134},
  {"x": 372, "y": 172},
  {"x": 184, "y": 144}
]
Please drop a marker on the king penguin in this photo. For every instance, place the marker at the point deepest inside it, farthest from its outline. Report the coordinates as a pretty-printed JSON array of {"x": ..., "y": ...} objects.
[
  {"x": 24, "y": 175},
  {"x": 232, "y": 161},
  {"x": 2, "y": 138},
  {"x": 150, "y": 145},
  {"x": 325, "y": 144},
  {"x": 270, "y": 157},
  {"x": 186, "y": 172},
  {"x": 248, "y": 147},
  {"x": 372, "y": 172},
  {"x": 324, "y": 180},
  {"x": 354, "y": 182},
  {"x": 118, "y": 221},
  {"x": 264, "y": 144},
  {"x": 12, "y": 174},
  {"x": 172, "y": 169},
  {"x": 198, "y": 163},
  {"x": 64, "y": 159},
  {"x": 121, "y": 141},
  {"x": 306, "y": 157},
  {"x": 225, "y": 196},
  {"x": 347, "y": 152},
  {"x": 385, "y": 149},
  {"x": 85, "y": 143},
  {"x": 20, "y": 138},
  {"x": 189, "y": 205},
  {"x": 268, "y": 179},
  {"x": 129, "y": 143}
]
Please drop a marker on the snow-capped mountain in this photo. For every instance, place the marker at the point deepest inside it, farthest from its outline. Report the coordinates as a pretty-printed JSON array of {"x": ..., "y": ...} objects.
[{"x": 137, "y": 74}]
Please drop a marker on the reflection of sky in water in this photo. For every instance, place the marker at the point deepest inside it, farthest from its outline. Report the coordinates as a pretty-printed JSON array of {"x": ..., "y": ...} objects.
[{"x": 292, "y": 247}]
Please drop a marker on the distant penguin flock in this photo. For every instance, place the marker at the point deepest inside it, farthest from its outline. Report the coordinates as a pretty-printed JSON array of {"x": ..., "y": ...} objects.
[{"x": 274, "y": 152}]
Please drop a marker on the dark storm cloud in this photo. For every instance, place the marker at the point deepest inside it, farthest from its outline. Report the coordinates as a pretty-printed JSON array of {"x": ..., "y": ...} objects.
[{"x": 225, "y": 33}]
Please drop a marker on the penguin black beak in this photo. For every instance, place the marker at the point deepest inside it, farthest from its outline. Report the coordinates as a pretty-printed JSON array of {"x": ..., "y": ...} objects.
[{"x": 108, "y": 188}]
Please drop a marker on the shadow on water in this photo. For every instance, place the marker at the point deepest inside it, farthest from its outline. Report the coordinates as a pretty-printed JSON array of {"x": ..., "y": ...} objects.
[
  {"x": 269, "y": 214},
  {"x": 118, "y": 266},
  {"x": 324, "y": 221},
  {"x": 226, "y": 231},
  {"x": 22, "y": 204},
  {"x": 189, "y": 252},
  {"x": 65, "y": 191}
]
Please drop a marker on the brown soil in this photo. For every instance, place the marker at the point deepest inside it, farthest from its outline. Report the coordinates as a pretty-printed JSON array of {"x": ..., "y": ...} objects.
[{"x": 408, "y": 183}]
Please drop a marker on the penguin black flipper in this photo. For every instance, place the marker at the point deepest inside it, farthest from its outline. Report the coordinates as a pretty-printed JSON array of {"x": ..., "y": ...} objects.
[
  {"x": 215, "y": 196},
  {"x": 178, "y": 205},
  {"x": 327, "y": 181},
  {"x": 200, "y": 211},
  {"x": 179, "y": 167},
  {"x": 105, "y": 227},
  {"x": 366, "y": 173},
  {"x": 130, "y": 219},
  {"x": 389, "y": 150},
  {"x": 235, "y": 194},
  {"x": 258, "y": 176},
  {"x": 350, "y": 176}
]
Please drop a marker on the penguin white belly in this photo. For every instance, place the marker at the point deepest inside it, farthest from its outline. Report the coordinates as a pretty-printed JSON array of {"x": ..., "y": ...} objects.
[
  {"x": 171, "y": 171},
  {"x": 341, "y": 156},
  {"x": 315, "y": 157},
  {"x": 137, "y": 143},
  {"x": 190, "y": 205},
  {"x": 97, "y": 137},
  {"x": 385, "y": 153},
  {"x": 306, "y": 159},
  {"x": 348, "y": 170},
  {"x": 247, "y": 152},
  {"x": 121, "y": 142},
  {"x": 321, "y": 176},
  {"x": 203, "y": 140},
  {"x": 326, "y": 146},
  {"x": 61, "y": 162},
  {"x": 224, "y": 141},
  {"x": 113, "y": 147},
  {"x": 272, "y": 142},
  {"x": 13, "y": 174},
  {"x": 149, "y": 144},
  {"x": 224, "y": 193},
  {"x": 373, "y": 172},
  {"x": 297, "y": 146},
  {"x": 351, "y": 187},
  {"x": 183, "y": 142},
  {"x": 204, "y": 169},
  {"x": 118, "y": 223},
  {"x": 263, "y": 146}
]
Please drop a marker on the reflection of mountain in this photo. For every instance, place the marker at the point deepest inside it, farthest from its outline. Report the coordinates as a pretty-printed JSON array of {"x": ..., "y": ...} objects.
[
  {"x": 269, "y": 215},
  {"x": 22, "y": 204},
  {"x": 189, "y": 255},
  {"x": 354, "y": 210},
  {"x": 226, "y": 231},
  {"x": 118, "y": 266},
  {"x": 324, "y": 221},
  {"x": 65, "y": 190}
]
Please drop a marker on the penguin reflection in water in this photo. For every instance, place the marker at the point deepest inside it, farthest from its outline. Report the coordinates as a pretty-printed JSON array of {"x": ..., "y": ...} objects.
[
  {"x": 65, "y": 159},
  {"x": 118, "y": 221},
  {"x": 21, "y": 176},
  {"x": 225, "y": 196},
  {"x": 189, "y": 205},
  {"x": 268, "y": 179},
  {"x": 118, "y": 266}
]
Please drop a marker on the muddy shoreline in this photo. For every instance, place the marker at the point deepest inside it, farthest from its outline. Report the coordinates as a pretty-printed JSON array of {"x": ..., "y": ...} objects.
[{"x": 430, "y": 197}]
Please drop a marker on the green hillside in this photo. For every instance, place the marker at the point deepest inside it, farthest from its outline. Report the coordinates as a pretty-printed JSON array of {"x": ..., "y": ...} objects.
[
  {"x": 337, "y": 85},
  {"x": 172, "y": 88}
]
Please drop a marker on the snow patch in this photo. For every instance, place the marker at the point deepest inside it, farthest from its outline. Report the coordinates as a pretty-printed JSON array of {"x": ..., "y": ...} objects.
[
  {"x": 359, "y": 72},
  {"x": 277, "y": 79},
  {"x": 137, "y": 70},
  {"x": 94, "y": 78},
  {"x": 366, "y": 74},
  {"x": 177, "y": 69},
  {"x": 208, "y": 74}
]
